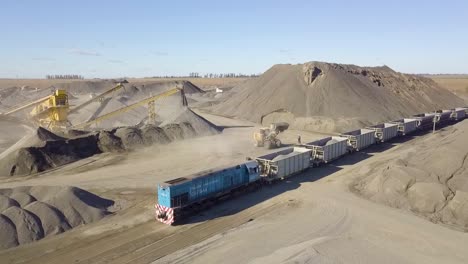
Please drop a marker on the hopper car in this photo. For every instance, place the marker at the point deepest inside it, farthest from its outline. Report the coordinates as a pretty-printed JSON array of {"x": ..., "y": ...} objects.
[{"x": 183, "y": 196}]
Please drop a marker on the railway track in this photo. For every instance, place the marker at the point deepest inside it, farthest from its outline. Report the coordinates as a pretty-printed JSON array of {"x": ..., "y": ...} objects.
[
  {"x": 145, "y": 242},
  {"x": 197, "y": 234}
]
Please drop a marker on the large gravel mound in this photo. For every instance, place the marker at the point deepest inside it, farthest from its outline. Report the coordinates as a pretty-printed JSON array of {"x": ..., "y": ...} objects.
[
  {"x": 324, "y": 96},
  {"x": 167, "y": 108},
  {"x": 47, "y": 150},
  {"x": 200, "y": 125},
  {"x": 429, "y": 178},
  {"x": 81, "y": 91},
  {"x": 44, "y": 210}
]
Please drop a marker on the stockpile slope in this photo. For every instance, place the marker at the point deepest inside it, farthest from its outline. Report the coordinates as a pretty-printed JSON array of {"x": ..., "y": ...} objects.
[
  {"x": 14, "y": 96},
  {"x": 429, "y": 178},
  {"x": 46, "y": 150},
  {"x": 334, "y": 97},
  {"x": 200, "y": 125},
  {"x": 28, "y": 214},
  {"x": 166, "y": 107}
]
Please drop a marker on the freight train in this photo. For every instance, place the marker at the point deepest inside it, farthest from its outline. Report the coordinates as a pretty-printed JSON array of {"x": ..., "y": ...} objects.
[{"x": 181, "y": 197}]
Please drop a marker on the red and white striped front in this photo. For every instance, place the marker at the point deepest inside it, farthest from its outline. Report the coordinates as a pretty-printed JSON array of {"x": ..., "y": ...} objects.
[{"x": 164, "y": 214}]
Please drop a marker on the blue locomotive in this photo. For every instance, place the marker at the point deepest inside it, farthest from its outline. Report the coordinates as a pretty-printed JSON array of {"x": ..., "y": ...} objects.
[
  {"x": 185, "y": 195},
  {"x": 182, "y": 196}
]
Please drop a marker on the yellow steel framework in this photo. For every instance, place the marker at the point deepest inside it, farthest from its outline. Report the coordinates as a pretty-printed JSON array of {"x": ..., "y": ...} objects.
[
  {"x": 97, "y": 98},
  {"x": 53, "y": 112},
  {"x": 151, "y": 109},
  {"x": 50, "y": 111}
]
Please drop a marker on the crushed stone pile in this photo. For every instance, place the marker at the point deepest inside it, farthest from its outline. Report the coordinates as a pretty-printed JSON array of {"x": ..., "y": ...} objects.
[
  {"x": 321, "y": 96},
  {"x": 166, "y": 107},
  {"x": 28, "y": 214},
  {"x": 11, "y": 131},
  {"x": 430, "y": 178},
  {"x": 81, "y": 91},
  {"x": 128, "y": 131},
  {"x": 16, "y": 96},
  {"x": 200, "y": 125},
  {"x": 47, "y": 150}
]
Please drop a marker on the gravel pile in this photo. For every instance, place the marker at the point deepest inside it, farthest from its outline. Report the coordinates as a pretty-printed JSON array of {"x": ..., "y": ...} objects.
[
  {"x": 320, "y": 96},
  {"x": 29, "y": 214},
  {"x": 429, "y": 178},
  {"x": 47, "y": 150}
]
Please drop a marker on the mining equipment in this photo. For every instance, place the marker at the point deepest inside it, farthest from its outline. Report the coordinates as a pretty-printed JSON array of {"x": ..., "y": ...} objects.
[
  {"x": 268, "y": 136},
  {"x": 148, "y": 101},
  {"x": 50, "y": 112}
]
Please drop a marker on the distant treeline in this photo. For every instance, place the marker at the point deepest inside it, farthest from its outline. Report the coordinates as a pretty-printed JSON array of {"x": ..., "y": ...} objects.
[
  {"x": 65, "y": 76},
  {"x": 211, "y": 75},
  {"x": 444, "y": 75}
]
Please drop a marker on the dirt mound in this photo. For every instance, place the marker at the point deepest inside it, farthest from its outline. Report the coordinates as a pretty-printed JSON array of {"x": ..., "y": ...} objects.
[
  {"x": 108, "y": 142},
  {"x": 174, "y": 132},
  {"x": 22, "y": 198},
  {"x": 188, "y": 87},
  {"x": 49, "y": 150},
  {"x": 200, "y": 125},
  {"x": 44, "y": 155},
  {"x": 45, "y": 135},
  {"x": 85, "y": 87},
  {"x": 326, "y": 96},
  {"x": 8, "y": 232},
  {"x": 14, "y": 96},
  {"x": 53, "y": 221},
  {"x": 153, "y": 134},
  {"x": 130, "y": 136},
  {"x": 28, "y": 226},
  {"x": 79, "y": 91},
  {"x": 12, "y": 130},
  {"x": 53, "y": 211},
  {"x": 422, "y": 180},
  {"x": 166, "y": 107},
  {"x": 7, "y": 202}
]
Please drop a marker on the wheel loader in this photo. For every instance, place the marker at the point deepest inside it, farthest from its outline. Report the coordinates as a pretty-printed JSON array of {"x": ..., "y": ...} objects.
[{"x": 268, "y": 136}]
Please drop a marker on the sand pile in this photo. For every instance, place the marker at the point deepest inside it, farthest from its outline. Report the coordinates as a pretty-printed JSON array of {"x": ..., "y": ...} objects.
[
  {"x": 15, "y": 96},
  {"x": 11, "y": 131},
  {"x": 333, "y": 97},
  {"x": 80, "y": 91},
  {"x": 166, "y": 108},
  {"x": 28, "y": 214},
  {"x": 188, "y": 87},
  {"x": 200, "y": 125},
  {"x": 430, "y": 179},
  {"x": 46, "y": 150},
  {"x": 86, "y": 87}
]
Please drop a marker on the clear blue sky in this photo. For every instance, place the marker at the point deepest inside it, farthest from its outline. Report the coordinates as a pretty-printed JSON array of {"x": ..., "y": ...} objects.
[{"x": 145, "y": 38}]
